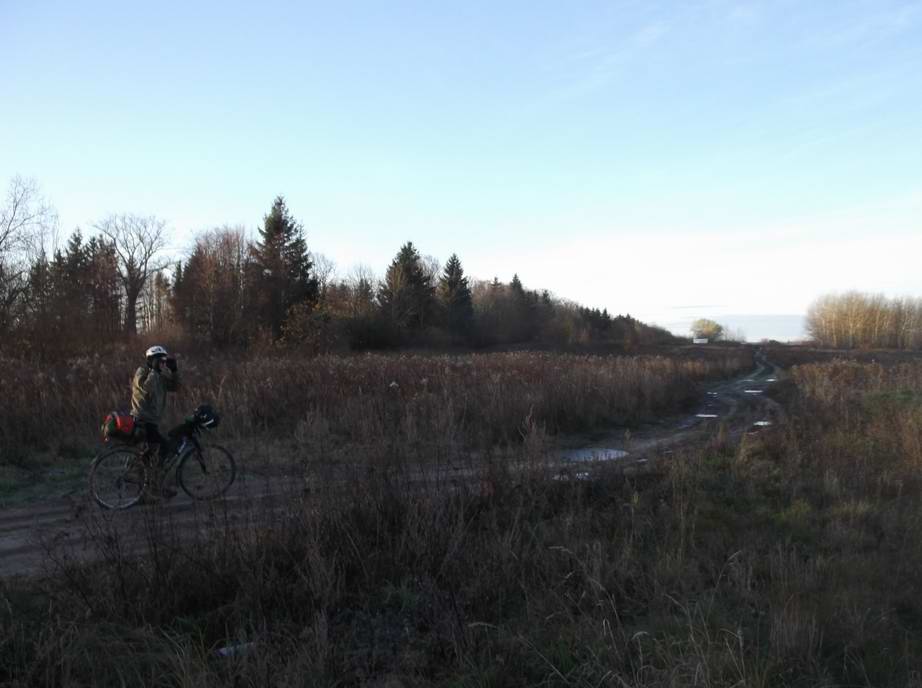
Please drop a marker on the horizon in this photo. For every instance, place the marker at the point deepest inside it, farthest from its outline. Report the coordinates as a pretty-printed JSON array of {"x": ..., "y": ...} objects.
[{"x": 748, "y": 154}]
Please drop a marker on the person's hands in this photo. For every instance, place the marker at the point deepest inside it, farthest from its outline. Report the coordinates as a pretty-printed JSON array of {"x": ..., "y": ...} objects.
[{"x": 171, "y": 364}]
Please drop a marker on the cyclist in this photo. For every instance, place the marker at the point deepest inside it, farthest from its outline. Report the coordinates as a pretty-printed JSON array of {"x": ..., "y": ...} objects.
[{"x": 149, "y": 388}]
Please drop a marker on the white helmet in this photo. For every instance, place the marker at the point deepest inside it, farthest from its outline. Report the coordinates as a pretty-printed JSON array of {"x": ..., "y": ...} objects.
[{"x": 155, "y": 351}]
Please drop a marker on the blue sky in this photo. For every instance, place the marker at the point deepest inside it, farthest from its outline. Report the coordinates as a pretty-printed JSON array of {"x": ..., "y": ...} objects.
[{"x": 636, "y": 155}]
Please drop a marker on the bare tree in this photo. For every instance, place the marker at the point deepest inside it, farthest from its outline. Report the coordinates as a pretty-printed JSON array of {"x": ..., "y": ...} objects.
[
  {"x": 25, "y": 219},
  {"x": 432, "y": 268},
  {"x": 324, "y": 270},
  {"x": 210, "y": 289},
  {"x": 138, "y": 242},
  {"x": 854, "y": 319}
]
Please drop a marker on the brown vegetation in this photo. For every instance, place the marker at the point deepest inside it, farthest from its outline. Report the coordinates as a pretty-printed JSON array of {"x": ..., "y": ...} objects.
[
  {"x": 791, "y": 355},
  {"x": 788, "y": 559},
  {"x": 855, "y": 320},
  {"x": 455, "y": 401}
]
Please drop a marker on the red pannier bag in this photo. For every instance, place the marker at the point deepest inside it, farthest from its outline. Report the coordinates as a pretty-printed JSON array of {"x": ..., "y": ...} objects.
[{"x": 118, "y": 426}]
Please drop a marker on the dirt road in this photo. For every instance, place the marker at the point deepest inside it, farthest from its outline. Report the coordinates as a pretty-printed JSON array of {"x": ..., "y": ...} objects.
[{"x": 37, "y": 536}]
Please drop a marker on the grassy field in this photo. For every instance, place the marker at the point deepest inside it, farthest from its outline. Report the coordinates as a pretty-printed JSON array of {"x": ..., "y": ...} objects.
[
  {"x": 381, "y": 408},
  {"x": 787, "y": 558}
]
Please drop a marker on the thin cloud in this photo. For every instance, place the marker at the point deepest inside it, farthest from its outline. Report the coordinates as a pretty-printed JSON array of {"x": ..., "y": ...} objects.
[
  {"x": 871, "y": 29},
  {"x": 696, "y": 307},
  {"x": 601, "y": 65}
]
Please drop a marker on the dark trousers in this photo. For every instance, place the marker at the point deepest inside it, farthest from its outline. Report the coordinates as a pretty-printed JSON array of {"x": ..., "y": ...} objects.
[{"x": 153, "y": 437}]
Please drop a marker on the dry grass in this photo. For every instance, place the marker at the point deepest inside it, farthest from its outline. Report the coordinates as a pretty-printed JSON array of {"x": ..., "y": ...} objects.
[
  {"x": 789, "y": 559},
  {"x": 464, "y": 401}
]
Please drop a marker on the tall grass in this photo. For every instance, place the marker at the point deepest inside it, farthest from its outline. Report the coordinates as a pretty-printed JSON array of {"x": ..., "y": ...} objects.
[
  {"x": 788, "y": 559},
  {"x": 474, "y": 400}
]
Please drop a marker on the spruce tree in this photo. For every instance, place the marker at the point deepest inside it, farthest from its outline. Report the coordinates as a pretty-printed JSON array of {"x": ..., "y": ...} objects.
[
  {"x": 104, "y": 286},
  {"x": 40, "y": 293},
  {"x": 406, "y": 296},
  {"x": 522, "y": 323},
  {"x": 455, "y": 296},
  {"x": 72, "y": 271},
  {"x": 282, "y": 273}
]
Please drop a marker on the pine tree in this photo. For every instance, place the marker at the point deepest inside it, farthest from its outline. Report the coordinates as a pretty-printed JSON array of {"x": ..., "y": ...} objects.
[
  {"x": 104, "y": 286},
  {"x": 522, "y": 318},
  {"x": 282, "y": 271},
  {"x": 39, "y": 306},
  {"x": 73, "y": 288},
  {"x": 41, "y": 290},
  {"x": 455, "y": 295},
  {"x": 406, "y": 296},
  {"x": 515, "y": 286}
]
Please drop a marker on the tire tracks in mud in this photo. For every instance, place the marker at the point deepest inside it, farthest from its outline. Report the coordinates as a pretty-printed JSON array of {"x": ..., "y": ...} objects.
[
  {"x": 741, "y": 405},
  {"x": 39, "y": 538}
]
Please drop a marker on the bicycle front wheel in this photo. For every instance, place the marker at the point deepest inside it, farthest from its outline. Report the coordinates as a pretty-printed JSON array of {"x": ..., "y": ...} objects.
[
  {"x": 117, "y": 478},
  {"x": 206, "y": 472}
]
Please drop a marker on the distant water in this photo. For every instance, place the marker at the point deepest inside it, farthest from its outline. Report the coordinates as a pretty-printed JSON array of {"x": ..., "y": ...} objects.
[{"x": 784, "y": 328}]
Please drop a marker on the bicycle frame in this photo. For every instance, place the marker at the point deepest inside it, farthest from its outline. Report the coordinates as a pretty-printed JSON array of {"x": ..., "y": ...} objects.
[{"x": 187, "y": 442}]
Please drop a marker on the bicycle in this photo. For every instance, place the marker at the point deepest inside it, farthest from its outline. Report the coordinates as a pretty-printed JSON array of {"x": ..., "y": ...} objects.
[{"x": 119, "y": 477}]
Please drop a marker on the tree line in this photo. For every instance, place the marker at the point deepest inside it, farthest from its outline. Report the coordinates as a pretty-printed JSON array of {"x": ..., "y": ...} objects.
[
  {"x": 231, "y": 291},
  {"x": 856, "y": 320}
]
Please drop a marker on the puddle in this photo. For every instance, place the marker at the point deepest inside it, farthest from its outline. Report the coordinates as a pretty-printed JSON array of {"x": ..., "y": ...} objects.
[
  {"x": 705, "y": 415},
  {"x": 234, "y": 650},
  {"x": 772, "y": 379},
  {"x": 762, "y": 423},
  {"x": 712, "y": 394},
  {"x": 749, "y": 380},
  {"x": 593, "y": 454},
  {"x": 582, "y": 475},
  {"x": 753, "y": 391}
]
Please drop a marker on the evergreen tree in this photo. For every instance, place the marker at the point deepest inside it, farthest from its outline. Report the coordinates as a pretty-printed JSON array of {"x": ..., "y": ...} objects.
[
  {"x": 58, "y": 300},
  {"x": 455, "y": 295},
  {"x": 39, "y": 306},
  {"x": 104, "y": 286},
  {"x": 522, "y": 319},
  {"x": 74, "y": 267},
  {"x": 190, "y": 295},
  {"x": 515, "y": 286},
  {"x": 406, "y": 296},
  {"x": 73, "y": 287},
  {"x": 40, "y": 293},
  {"x": 282, "y": 271}
]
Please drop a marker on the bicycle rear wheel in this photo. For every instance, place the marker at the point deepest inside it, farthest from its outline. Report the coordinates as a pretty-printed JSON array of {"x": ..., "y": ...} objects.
[
  {"x": 206, "y": 472},
  {"x": 117, "y": 478}
]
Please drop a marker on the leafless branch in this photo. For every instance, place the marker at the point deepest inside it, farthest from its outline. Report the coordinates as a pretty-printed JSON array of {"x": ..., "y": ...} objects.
[{"x": 138, "y": 242}]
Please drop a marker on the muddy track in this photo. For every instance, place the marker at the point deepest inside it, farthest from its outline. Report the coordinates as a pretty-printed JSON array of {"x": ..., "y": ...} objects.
[
  {"x": 740, "y": 405},
  {"x": 42, "y": 537}
]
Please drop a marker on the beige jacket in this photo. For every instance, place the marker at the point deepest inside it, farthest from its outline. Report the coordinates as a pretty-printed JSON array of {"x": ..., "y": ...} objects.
[{"x": 148, "y": 393}]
